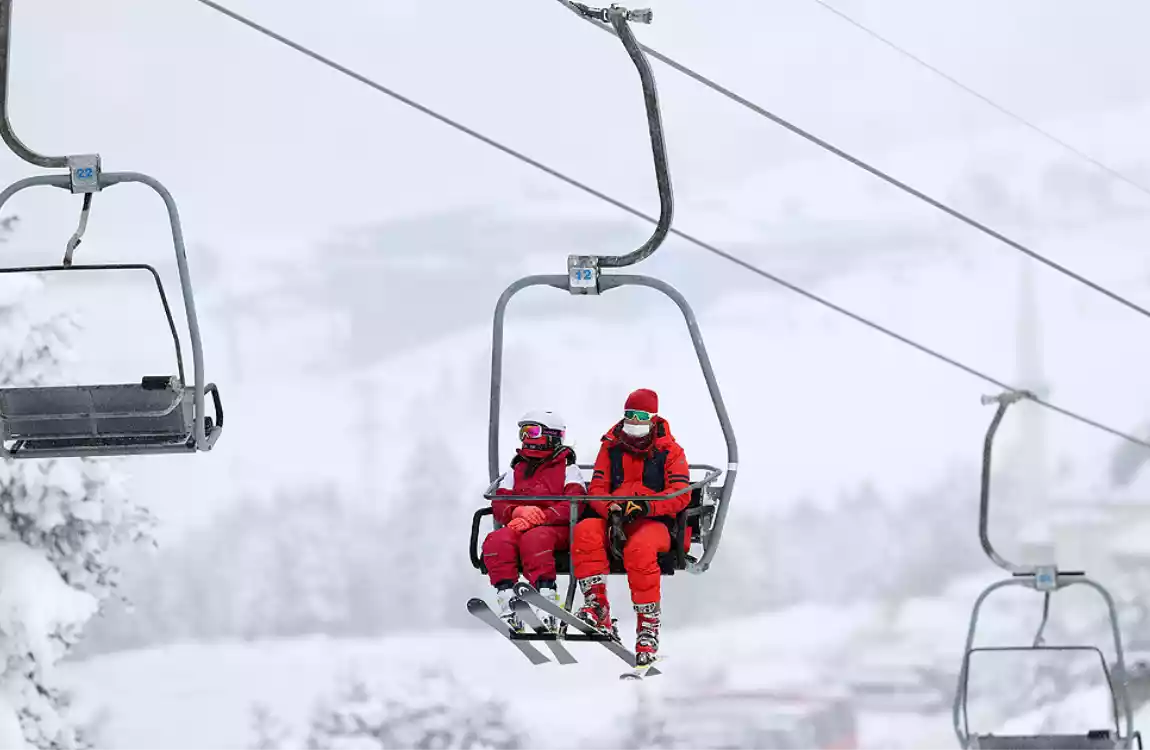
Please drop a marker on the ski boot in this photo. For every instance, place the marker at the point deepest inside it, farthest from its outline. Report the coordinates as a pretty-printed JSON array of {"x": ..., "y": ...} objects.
[
  {"x": 551, "y": 593},
  {"x": 646, "y": 633},
  {"x": 505, "y": 597},
  {"x": 596, "y": 610}
]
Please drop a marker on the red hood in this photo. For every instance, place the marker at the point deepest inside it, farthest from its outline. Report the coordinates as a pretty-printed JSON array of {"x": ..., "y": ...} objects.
[{"x": 660, "y": 427}]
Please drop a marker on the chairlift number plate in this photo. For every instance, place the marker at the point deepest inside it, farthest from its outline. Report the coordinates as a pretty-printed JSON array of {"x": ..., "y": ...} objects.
[
  {"x": 85, "y": 173},
  {"x": 582, "y": 277}
]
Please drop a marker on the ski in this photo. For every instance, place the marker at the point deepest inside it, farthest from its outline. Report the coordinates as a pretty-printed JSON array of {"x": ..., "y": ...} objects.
[
  {"x": 638, "y": 673},
  {"x": 528, "y": 616},
  {"x": 481, "y": 611},
  {"x": 527, "y": 592}
]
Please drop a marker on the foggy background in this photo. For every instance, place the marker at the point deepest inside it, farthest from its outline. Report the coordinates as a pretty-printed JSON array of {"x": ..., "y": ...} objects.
[{"x": 347, "y": 253}]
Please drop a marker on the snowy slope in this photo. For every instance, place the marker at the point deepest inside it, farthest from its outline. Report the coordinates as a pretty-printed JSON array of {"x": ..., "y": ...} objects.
[{"x": 200, "y": 696}]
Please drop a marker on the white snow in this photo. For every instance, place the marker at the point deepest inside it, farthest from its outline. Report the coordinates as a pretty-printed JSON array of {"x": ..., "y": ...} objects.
[
  {"x": 36, "y": 608},
  {"x": 11, "y": 734},
  {"x": 35, "y": 602}
]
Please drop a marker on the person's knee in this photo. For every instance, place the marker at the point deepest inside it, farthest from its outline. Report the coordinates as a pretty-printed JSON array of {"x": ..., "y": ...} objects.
[
  {"x": 640, "y": 555},
  {"x": 642, "y": 548},
  {"x": 499, "y": 540},
  {"x": 590, "y": 533},
  {"x": 537, "y": 540}
]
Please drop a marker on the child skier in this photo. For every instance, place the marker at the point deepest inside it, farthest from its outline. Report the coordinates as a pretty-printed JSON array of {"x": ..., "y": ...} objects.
[{"x": 533, "y": 530}]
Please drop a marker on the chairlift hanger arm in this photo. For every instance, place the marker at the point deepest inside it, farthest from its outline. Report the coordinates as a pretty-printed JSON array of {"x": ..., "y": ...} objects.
[
  {"x": 84, "y": 168},
  {"x": 619, "y": 17},
  {"x": 1004, "y": 401},
  {"x": 6, "y": 131}
]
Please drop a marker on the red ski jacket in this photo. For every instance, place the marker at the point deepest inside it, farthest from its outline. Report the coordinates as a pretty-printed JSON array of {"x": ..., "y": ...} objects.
[
  {"x": 554, "y": 474},
  {"x": 626, "y": 471}
]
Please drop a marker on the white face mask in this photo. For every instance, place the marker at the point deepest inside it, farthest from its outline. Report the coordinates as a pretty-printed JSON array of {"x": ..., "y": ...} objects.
[{"x": 636, "y": 430}]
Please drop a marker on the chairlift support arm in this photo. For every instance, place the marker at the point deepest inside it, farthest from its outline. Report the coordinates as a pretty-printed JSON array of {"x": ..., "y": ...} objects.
[{"x": 618, "y": 17}]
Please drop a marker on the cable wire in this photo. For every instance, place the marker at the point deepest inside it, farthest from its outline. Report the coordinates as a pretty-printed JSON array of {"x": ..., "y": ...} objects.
[
  {"x": 689, "y": 238},
  {"x": 955, "y": 213},
  {"x": 1017, "y": 118}
]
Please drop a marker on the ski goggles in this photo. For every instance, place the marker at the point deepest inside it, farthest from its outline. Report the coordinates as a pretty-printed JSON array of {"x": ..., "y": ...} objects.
[
  {"x": 532, "y": 431},
  {"x": 638, "y": 415}
]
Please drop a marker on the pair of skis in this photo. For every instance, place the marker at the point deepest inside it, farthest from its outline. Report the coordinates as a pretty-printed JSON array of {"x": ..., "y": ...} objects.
[{"x": 526, "y": 597}]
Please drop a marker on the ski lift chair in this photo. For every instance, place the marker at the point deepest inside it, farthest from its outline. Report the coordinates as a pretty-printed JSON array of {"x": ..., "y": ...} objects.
[
  {"x": 158, "y": 414},
  {"x": 1047, "y": 579},
  {"x": 705, "y": 515},
  {"x": 690, "y": 526}
]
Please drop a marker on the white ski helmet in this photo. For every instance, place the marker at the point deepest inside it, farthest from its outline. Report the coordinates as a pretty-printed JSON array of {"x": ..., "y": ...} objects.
[{"x": 554, "y": 427}]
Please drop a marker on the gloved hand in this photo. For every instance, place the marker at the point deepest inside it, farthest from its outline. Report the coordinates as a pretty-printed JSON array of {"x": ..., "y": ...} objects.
[
  {"x": 616, "y": 537},
  {"x": 529, "y": 513},
  {"x": 636, "y": 507},
  {"x": 518, "y": 524}
]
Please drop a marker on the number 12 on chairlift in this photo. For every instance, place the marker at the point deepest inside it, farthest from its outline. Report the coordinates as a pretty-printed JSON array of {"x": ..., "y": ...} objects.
[{"x": 582, "y": 277}]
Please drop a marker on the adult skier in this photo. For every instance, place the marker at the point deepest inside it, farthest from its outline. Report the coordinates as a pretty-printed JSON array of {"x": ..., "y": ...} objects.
[
  {"x": 533, "y": 530},
  {"x": 639, "y": 460}
]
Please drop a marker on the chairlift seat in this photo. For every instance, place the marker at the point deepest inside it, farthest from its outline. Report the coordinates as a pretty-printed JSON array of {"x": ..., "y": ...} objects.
[
  {"x": 1087, "y": 741},
  {"x": 156, "y": 415},
  {"x": 688, "y": 521}
]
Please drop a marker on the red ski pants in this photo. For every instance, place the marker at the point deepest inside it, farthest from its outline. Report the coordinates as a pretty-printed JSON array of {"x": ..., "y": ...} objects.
[
  {"x": 503, "y": 549},
  {"x": 646, "y": 539}
]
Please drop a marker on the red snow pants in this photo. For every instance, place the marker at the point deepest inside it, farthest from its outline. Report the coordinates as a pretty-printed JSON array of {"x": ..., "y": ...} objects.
[
  {"x": 505, "y": 547},
  {"x": 646, "y": 539}
]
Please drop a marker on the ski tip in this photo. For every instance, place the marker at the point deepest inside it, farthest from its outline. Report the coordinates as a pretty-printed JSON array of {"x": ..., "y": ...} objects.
[
  {"x": 639, "y": 673},
  {"x": 475, "y": 603}
]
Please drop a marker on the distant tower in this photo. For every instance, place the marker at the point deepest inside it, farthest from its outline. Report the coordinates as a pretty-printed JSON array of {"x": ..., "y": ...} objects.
[
  {"x": 368, "y": 428},
  {"x": 1033, "y": 499}
]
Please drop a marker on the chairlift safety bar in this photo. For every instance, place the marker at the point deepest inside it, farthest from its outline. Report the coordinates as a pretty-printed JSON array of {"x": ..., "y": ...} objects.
[{"x": 712, "y": 474}]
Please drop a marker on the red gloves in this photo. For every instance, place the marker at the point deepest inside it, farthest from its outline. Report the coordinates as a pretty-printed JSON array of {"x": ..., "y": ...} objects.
[{"x": 526, "y": 516}]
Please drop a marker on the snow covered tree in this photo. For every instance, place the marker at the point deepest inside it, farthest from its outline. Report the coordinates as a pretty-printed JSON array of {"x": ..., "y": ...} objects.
[
  {"x": 435, "y": 711},
  {"x": 423, "y": 547},
  {"x": 270, "y": 732},
  {"x": 62, "y": 521}
]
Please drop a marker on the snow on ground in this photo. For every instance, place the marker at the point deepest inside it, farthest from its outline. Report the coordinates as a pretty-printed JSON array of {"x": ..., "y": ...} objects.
[{"x": 199, "y": 696}]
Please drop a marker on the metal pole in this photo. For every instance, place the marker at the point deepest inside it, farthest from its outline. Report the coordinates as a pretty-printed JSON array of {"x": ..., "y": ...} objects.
[
  {"x": 1004, "y": 402},
  {"x": 618, "y": 17},
  {"x": 6, "y": 132}
]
